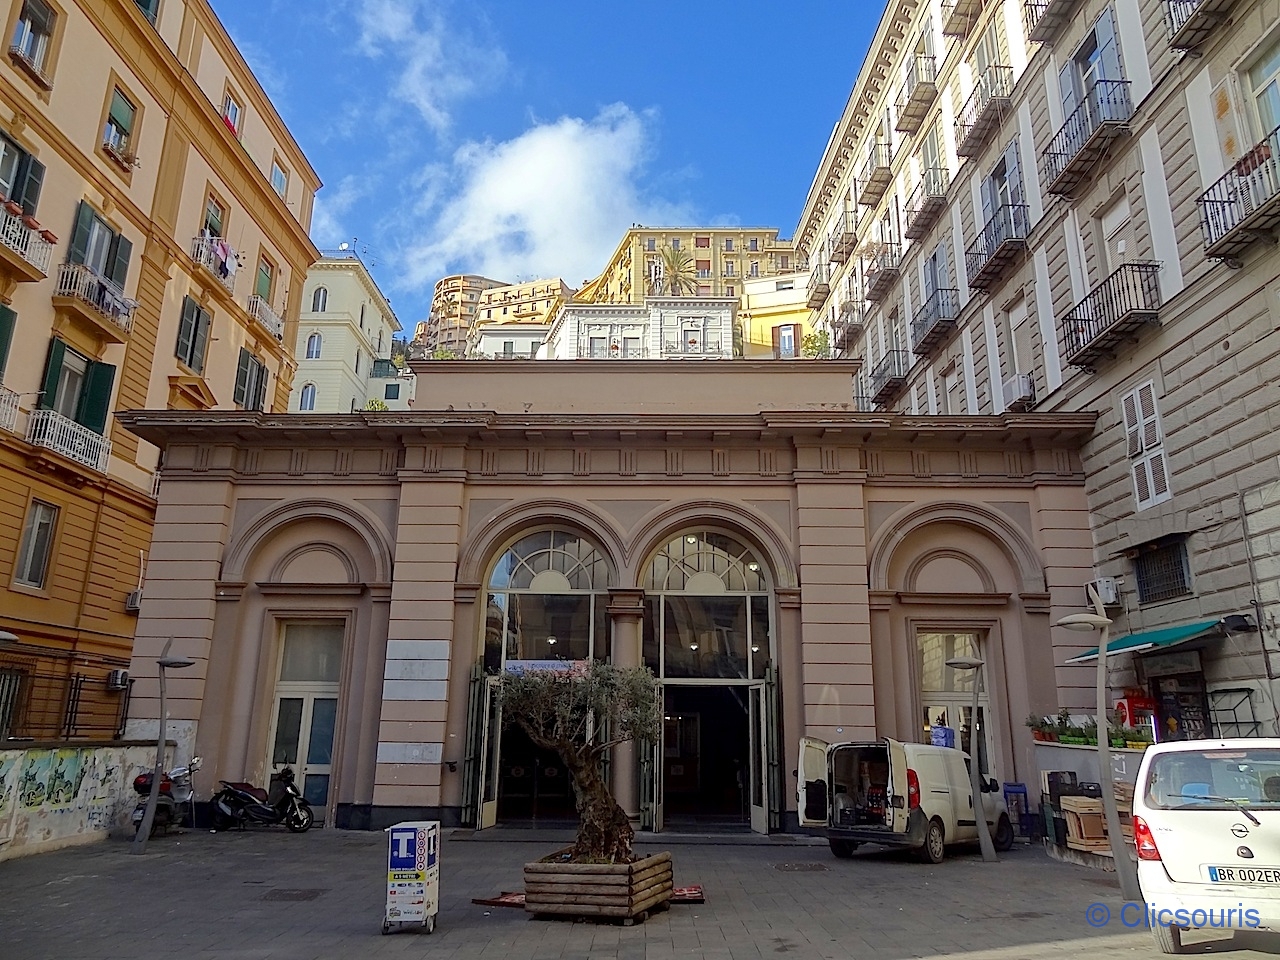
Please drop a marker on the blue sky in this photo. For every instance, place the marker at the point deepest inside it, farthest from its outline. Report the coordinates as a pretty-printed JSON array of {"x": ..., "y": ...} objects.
[{"x": 520, "y": 138}]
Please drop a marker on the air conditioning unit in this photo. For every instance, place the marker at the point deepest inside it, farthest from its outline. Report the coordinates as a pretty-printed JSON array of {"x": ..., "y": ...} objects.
[
  {"x": 118, "y": 680},
  {"x": 1020, "y": 392},
  {"x": 133, "y": 602},
  {"x": 1107, "y": 589}
]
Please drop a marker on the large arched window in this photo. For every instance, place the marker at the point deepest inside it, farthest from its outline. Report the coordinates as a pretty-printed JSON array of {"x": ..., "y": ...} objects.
[
  {"x": 706, "y": 609},
  {"x": 314, "y": 343},
  {"x": 308, "y": 399},
  {"x": 320, "y": 300},
  {"x": 547, "y": 600}
]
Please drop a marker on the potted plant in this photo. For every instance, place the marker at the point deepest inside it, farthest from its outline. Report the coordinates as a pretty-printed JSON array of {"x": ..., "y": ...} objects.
[
  {"x": 13, "y": 208},
  {"x": 1062, "y": 723},
  {"x": 48, "y": 236},
  {"x": 1036, "y": 726},
  {"x": 30, "y": 222},
  {"x": 1090, "y": 731},
  {"x": 582, "y": 711}
]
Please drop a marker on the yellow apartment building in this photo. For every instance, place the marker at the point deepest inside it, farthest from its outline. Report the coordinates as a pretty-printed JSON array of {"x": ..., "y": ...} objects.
[
  {"x": 527, "y": 305},
  {"x": 153, "y": 249},
  {"x": 454, "y": 303}
]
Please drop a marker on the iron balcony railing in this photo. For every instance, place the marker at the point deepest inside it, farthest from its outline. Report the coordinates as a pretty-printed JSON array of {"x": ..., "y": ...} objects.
[
  {"x": 1101, "y": 115},
  {"x": 880, "y": 269},
  {"x": 8, "y": 408},
  {"x": 843, "y": 236},
  {"x": 25, "y": 241},
  {"x": 889, "y": 376},
  {"x": 959, "y": 17},
  {"x": 919, "y": 89},
  {"x": 992, "y": 89},
  {"x": 1044, "y": 18},
  {"x": 935, "y": 319},
  {"x": 1244, "y": 203},
  {"x": 383, "y": 369},
  {"x": 50, "y": 429},
  {"x": 819, "y": 287},
  {"x": 204, "y": 251},
  {"x": 262, "y": 312},
  {"x": 1191, "y": 21},
  {"x": 83, "y": 283},
  {"x": 877, "y": 173},
  {"x": 926, "y": 201},
  {"x": 618, "y": 351},
  {"x": 1001, "y": 238},
  {"x": 1112, "y": 311},
  {"x": 692, "y": 346}
]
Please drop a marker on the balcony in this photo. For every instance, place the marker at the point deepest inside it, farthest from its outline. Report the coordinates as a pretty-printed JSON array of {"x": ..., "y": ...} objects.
[
  {"x": 959, "y": 17},
  {"x": 692, "y": 345},
  {"x": 260, "y": 311},
  {"x": 935, "y": 320},
  {"x": 85, "y": 293},
  {"x": 1191, "y": 21},
  {"x": 1112, "y": 313},
  {"x": 50, "y": 429},
  {"x": 819, "y": 286},
  {"x": 1002, "y": 239},
  {"x": 862, "y": 403},
  {"x": 918, "y": 92},
  {"x": 889, "y": 376},
  {"x": 876, "y": 173},
  {"x": 1019, "y": 393},
  {"x": 880, "y": 271},
  {"x": 205, "y": 251},
  {"x": 848, "y": 328},
  {"x": 981, "y": 114},
  {"x": 1084, "y": 138},
  {"x": 382, "y": 369},
  {"x": 618, "y": 351},
  {"x": 1244, "y": 205},
  {"x": 8, "y": 408},
  {"x": 24, "y": 251},
  {"x": 926, "y": 203},
  {"x": 843, "y": 237},
  {"x": 1043, "y": 18}
]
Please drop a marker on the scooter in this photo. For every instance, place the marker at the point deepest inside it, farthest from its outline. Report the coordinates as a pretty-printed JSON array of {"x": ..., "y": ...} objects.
[
  {"x": 238, "y": 804},
  {"x": 176, "y": 797}
]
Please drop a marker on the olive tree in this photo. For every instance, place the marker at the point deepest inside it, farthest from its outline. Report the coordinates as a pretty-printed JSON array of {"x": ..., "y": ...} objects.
[{"x": 581, "y": 712}]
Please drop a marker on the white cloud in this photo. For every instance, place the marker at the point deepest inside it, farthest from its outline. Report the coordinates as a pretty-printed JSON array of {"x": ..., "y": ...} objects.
[
  {"x": 332, "y": 205},
  {"x": 437, "y": 64},
  {"x": 554, "y": 201}
]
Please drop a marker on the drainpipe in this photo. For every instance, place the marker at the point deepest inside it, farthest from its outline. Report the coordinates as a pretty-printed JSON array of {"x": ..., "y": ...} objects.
[{"x": 1256, "y": 602}]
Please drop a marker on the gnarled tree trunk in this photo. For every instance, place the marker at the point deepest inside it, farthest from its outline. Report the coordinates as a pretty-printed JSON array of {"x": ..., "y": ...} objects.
[{"x": 604, "y": 832}]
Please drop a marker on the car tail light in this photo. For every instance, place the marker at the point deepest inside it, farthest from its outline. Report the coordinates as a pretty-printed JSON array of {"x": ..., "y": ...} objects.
[
  {"x": 1144, "y": 841},
  {"x": 913, "y": 790}
]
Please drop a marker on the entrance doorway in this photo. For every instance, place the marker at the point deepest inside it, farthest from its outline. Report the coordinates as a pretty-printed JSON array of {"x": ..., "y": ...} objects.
[
  {"x": 946, "y": 693},
  {"x": 707, "y": 765}
]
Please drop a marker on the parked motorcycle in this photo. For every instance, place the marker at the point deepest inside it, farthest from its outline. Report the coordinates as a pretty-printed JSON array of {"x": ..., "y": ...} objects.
[
  {"x": 175, "y": 799},
  {"x": 238, "y": 804}
]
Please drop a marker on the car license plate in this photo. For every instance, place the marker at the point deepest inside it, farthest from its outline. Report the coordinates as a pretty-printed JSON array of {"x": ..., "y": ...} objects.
[{"x": 1256, "y": 875}]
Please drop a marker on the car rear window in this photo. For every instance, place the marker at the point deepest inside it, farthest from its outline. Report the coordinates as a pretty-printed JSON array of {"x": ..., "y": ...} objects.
[{"x": 1191, "y": 778}]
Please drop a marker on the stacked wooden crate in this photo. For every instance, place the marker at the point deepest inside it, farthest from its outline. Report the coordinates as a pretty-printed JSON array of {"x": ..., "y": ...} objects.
[
  {"x": 1124, "y": 803},
  {"x": 1086, "y": 824}
]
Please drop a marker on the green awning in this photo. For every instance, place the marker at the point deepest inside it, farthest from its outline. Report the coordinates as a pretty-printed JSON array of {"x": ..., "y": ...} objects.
[{"x": 1153, "y": 640}]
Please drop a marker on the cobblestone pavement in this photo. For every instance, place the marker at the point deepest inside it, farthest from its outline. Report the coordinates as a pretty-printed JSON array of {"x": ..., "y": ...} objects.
[{"x": 198, "y": 896}]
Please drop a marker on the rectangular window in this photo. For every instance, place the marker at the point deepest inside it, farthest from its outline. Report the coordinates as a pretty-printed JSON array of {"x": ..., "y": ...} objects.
[
  {"x": 98, "y": 247},
  {"x": 728, "y": 244},
  {"x": 1097, "y": 59},
  {"x": 251, "y": 382},
  {"x": 650, "y": 244},
  {"x": 728, "y": 268},
  {"x": 675, "y": 243},
  {"x": 704, "y": 290},
  {"x": 392, "y": 392},
  {"x": 214, "y": 216},
  {"x": 1264, "y": 85},
  {"x": 784, "y": 341},
  {"x": 76, "y": 387},
  {"x": 784, "y": 262},
  {"x": 279, "y": 179},
  {"x": 753, "y": 244},
  {"x": 729, "y": 291},
  {"x": 193, "y": 336},
  {"x": 231, "y": 113},
  {"x": 599, "y": 347},
  {"x": 21, "y": 176},
  {"x": 33, "y": 34},
  {"x": 1144, "y": 440},
  {"x": 119, "y": 129},
  {"x": 631, "y": 347},
  {"x": 785, "y": 285},
  {"x": 702, "y": 241},
  {"x": 37, "y": 544},
  {"x": 754, "y": 270},
  {"x": 149, "y": 8},
  {"x": 266, "y": 279},
  {"x": 1162, "y": 571}
]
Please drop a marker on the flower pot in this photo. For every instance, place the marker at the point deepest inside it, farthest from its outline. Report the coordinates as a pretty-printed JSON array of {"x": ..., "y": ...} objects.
[
  {"x": 1137, "y": 744},
  {"x": 1051, "y": 736},
  {"x": 1067, "y": 738},
  {"x": 31, "y": 222},
  {"x": 13, "y": 207},
  {"x": 628, "y": 891},
  {"x": 48, "y": 236},
  {"x": 1037, "y": 735}
]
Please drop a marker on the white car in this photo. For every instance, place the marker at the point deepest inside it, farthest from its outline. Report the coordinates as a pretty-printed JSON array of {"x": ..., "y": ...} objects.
[{"x": 1206, "y": 823}]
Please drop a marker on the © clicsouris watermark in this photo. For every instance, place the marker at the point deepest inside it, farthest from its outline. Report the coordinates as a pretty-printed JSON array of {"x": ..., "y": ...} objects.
[{"x": 1135, "y": 915}]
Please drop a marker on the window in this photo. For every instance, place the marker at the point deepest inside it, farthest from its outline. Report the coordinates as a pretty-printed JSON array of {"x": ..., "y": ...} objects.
[
  {"x": 193, "y": 335},
  {"x": 935, "y": 271},
  {"x": 1264, "y": 86},
  {"x": 231, "y": 112},
  {"x": 279, "y": 179},
  {"x": 599, "y": 347},
  {"x": 728, "y": 268},
  {"x": 784, "y": 341},
  {"x": 119, "y": 129},
  {"x": 391, "y": 392},
  {"x": 8, "y": 320},
  {"x": 703, "y": 267},
  {"x": 702, "y": 241},
  {"x": 785, "y": 285},
  {"x": 1162, "y": 571},
  {"x": 650, "y": 244},
  {"x": 675, "y": 243},
  {"x": 76, "y": 387},
  {"x": 1003, "y": 210},
  {"x": 21, "y": 176},
  {"x": 98, "y": 247},
  {"x": 251, "y": 382},
  {"x": 37, "y": 544},
  {"x": 307, "y": 402},
  {"x": 313, "y": 346},
  {"x": 1145, "y": 442},
  {"x": 319, "y": 300},
  {"x": 704, "y": 290},
  {"x": 784, "y": 262},
  {"x": 357, "y": 363},
  {"x": 729, "y": 291},
  {"x": 1097, "y": 59},
  {"x": 214, "y": 216},
  {"x": 149, "y": 8},
  {"x": 754, "y": 269},
  {"x": 33, "y": 34},
  {"x": 631, "y": 347},
  {"x": 266, "y": 279},
  {"x": 753, "y": 244}
]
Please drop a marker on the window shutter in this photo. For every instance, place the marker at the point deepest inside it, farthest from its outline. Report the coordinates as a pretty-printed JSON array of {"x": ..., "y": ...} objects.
[
  {"x": 1159, "y": 477},
  {"x": 95, "y": 398},
  {"x": 1149, "y": 417},
  {"x": 1225, "y": 99},
  {"x": 52, "y": 373},
  {"x": 118, "y": 261},
  {"x": 1132, "y": 424},
  {"x": 1067, "y": 87},
  {"x": 1104, "y": 32},
  {"x": 988, "y": 202},
  {"x": 260, "y": 392},
  {"x": 242, "y": 377},
  {"x": 1141, "y": 484},
  {"x": 80, "y": 235},
  {"x": 203, "y": 321},
  {"x": 186, "y": 332},
  {"x": 1013, "y": 172},
  {"x": 777, "y": 343},
  {"x": 27, "y": 184},
  {"x": 8, "y": 319}
]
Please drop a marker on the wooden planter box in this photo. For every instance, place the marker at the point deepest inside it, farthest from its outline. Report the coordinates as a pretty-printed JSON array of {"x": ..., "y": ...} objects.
[{"x": 625, "y": 891}]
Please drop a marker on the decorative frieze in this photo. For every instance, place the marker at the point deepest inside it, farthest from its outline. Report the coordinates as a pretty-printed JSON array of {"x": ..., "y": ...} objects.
[
  {"x": 627, "y": 462},
  {"x": 720, "y": 462},
  {"x": 535, "y": 461}
]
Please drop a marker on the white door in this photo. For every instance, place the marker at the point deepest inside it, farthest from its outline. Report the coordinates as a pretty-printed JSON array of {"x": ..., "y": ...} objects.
[
  {"x": 813, "y": 792},
  {"x": 491, "y": 738},
  {"x": 899, "y": 793},
  {"x": 758, "y": 763},
  {"x": 304, "y": 711}
]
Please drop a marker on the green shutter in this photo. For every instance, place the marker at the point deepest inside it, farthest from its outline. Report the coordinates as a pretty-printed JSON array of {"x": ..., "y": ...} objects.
[
  {"x": 263, "y": 288},
  {"x": 242, "y": 377},
  {"x": 80, "y": 235},
  {"x": 201, "y": 344},
  {"x": 52, "y": 373},
  {"x": 260, "y": 400},
  {"x": 118, "y": 261},
  {"x": 186, "y": 331},
  {"x": 95, "y": 398},
  {"x": 26, "y": 186},
  {"x": 8, "y": 320}
]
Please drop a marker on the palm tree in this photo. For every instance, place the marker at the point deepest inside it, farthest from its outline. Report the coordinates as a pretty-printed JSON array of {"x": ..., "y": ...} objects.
[{"x": 677, "y": 275}]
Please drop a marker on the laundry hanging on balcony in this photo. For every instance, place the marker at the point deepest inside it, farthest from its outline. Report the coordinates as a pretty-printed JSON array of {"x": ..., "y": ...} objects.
[{"x": 224, "y": 258}]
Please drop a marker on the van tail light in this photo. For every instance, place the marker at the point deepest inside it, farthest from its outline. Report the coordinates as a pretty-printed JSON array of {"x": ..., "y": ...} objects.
[
  {"x": 913, "y": 790},
  {"x": 1144, "y": 841}
]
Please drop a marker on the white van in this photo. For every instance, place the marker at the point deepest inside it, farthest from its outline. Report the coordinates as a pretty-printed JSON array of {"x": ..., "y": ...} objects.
[
  {"x": 1206, "y": 824},
  {"x": 902, "y": 794}
]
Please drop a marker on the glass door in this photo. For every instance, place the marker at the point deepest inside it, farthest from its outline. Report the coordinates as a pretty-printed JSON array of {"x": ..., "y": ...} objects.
[
  {"x": 492, "y": 739},
  {"x": 758, "y": 760}
]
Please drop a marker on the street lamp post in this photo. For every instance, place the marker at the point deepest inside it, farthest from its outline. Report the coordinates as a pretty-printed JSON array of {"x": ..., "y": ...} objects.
[
  {"x": 1125, "y": 868},
  {"x": 165, "y": 662},
  {"x": 975, "y": 776}
]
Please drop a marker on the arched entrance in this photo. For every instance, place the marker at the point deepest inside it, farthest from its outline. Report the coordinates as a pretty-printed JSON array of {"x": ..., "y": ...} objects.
[{"x": 708, "y": 637}]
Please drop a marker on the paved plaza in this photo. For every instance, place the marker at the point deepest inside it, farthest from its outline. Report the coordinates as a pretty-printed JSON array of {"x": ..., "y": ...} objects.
[{"x": 262, "y": 894}]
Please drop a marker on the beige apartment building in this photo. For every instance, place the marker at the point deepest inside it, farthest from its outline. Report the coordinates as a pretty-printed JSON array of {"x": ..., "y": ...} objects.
[
  {"x": 523, "y": 310},
  {"x": 1070, "y": 205},
  {"x": 454, "y": 305},
  {"x": 153, "y": 245}
]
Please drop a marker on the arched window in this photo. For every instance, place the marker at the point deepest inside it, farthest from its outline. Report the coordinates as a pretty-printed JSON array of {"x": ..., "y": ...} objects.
[
  {"x": 308, "y": 398},
  {"x": 320, "y": 300},
  {"x": 357, "y": 363},
  {"x": 313, "y": 344},
  {"x": 547, "y": 600}
]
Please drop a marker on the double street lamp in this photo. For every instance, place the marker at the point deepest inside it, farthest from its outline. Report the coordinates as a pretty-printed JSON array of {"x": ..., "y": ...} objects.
[
  {"x": 165, "y": 662},
  {"x": 975, "y": 776}
]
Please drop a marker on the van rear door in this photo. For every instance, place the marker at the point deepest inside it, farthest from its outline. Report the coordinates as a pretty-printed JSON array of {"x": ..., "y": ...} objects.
[
  {"x": 813, "y": 790},
  {"x": 899, "y": 808}
]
